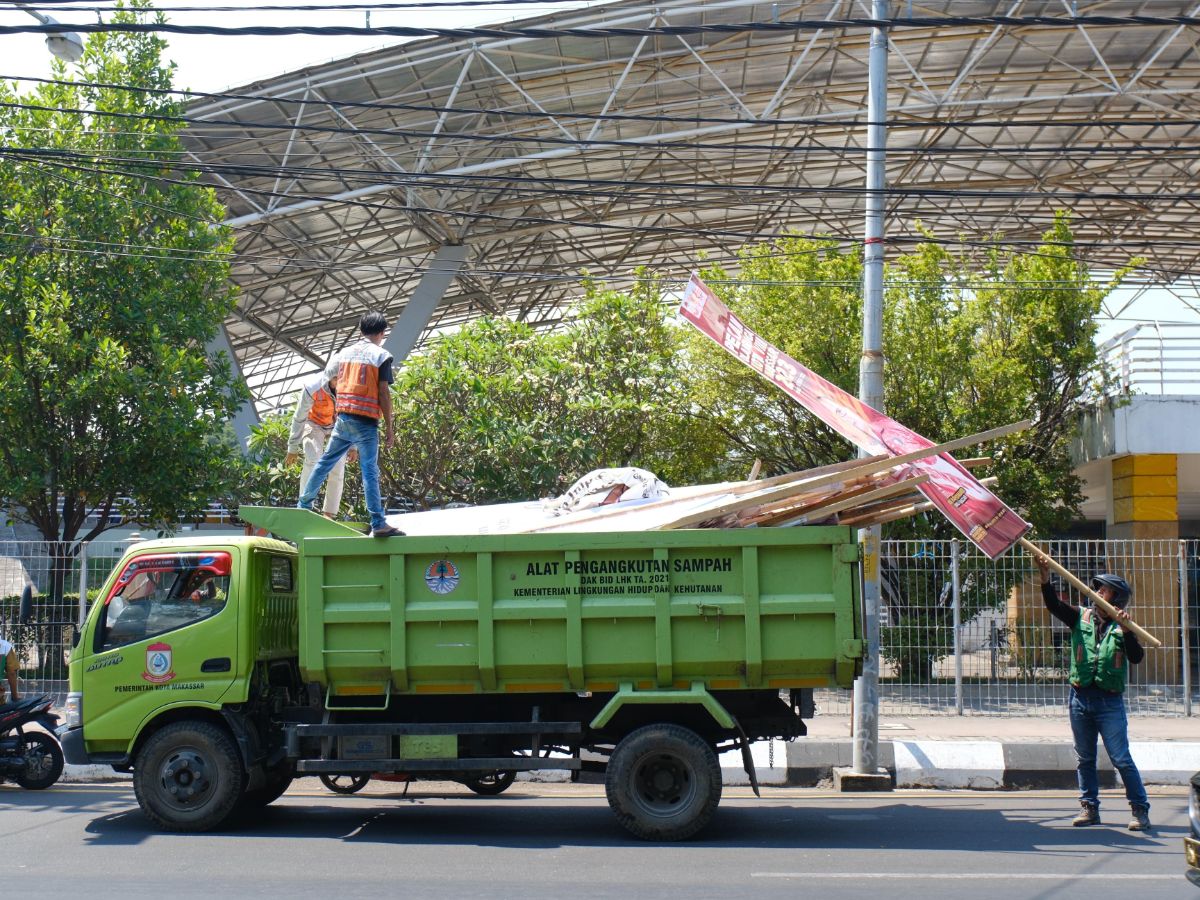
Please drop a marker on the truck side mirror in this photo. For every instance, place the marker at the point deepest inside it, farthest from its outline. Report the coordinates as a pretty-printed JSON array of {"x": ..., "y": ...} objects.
[{"x": 25, "y": 611}]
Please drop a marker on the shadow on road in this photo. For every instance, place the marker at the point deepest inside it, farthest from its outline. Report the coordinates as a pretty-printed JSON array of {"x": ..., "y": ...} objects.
[{"x": 523, "y": 822}]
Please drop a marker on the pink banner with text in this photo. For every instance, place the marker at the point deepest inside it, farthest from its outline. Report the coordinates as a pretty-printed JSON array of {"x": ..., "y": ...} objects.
[{"x": 974, "y": 510}]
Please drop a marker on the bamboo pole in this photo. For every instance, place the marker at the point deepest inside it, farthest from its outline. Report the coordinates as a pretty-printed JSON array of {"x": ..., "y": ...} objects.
[{"x": 1108, "y": 608}]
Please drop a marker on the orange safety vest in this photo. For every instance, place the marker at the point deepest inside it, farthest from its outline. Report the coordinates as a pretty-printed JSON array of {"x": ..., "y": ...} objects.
[
  {"x": 321, "y": 413},
  {"x": 358, "y": 379}
]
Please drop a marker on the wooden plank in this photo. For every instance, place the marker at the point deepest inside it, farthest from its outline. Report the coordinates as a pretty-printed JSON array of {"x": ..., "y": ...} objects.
[
  {"x": 833, "y": 477},
  {"x": 891, "y": 490}
]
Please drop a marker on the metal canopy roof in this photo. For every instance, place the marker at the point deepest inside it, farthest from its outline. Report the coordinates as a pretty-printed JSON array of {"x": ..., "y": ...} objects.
[{"x": 339, "y": 207}]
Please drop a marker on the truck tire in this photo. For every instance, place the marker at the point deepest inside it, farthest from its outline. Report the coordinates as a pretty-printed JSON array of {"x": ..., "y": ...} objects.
[
  {"x": 278, "y": 780},
  {"x": 663, "y": 783},
  {"x": 492, "y": 784},
  {"x": 188, "y": 777}
]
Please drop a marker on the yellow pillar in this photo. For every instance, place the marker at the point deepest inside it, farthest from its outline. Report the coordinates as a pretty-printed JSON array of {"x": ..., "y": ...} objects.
[
  {"x": 1145, "y": 508},
  {"x": 1145, "y": 497}
]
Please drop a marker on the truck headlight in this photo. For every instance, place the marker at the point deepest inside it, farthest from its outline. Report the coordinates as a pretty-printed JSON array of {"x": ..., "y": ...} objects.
[{"x": 74, "y": 709}]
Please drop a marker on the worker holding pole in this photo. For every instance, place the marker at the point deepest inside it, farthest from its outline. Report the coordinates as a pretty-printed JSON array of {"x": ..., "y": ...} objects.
[{"x": 1103, "y": 647}]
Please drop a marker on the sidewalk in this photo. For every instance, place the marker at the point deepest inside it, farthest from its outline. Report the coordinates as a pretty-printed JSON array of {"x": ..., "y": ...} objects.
[{"x": 984, "y": 752}]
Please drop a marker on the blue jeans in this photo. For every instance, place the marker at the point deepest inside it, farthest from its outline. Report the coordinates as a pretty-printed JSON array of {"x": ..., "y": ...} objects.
[
  {"x": 349, "y": 432},
  {"x": 1097, "y": 713}
]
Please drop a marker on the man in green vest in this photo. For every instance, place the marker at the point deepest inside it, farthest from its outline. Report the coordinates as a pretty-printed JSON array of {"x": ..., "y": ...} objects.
[{"x": 1101, "y": 653}]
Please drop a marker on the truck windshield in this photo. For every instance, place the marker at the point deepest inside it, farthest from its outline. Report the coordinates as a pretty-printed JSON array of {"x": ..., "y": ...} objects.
[{"x": 155, "y": 594}]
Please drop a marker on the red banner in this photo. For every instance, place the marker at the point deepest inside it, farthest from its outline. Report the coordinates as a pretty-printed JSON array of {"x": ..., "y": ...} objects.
[{"x": 974, "y": 510}]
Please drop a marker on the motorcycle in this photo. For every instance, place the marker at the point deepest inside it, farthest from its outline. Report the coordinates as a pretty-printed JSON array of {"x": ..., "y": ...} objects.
[{"x": 33, "y": 759}]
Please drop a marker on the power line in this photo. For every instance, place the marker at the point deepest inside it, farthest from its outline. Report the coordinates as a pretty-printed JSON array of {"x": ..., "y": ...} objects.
[
  {"x": 816, "y": 121},
  {"x": 601, "y": 31}
]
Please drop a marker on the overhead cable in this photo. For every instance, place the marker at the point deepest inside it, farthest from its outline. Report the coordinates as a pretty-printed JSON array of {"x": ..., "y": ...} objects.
[{"x": 603, "y": 31}]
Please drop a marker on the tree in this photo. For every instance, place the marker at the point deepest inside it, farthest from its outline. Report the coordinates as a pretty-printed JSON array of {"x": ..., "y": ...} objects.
[
  {"x": 113, "y": 278},
  {"x": 971, "y": 343},
  {"x": 497, "y": 412}
]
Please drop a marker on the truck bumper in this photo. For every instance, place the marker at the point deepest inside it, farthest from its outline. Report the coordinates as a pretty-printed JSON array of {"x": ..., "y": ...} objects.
[{"x": 72, "y": 745}]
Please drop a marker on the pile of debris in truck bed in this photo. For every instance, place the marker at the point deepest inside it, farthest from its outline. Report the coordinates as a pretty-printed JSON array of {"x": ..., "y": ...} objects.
[{"x": 857, "y": 492}]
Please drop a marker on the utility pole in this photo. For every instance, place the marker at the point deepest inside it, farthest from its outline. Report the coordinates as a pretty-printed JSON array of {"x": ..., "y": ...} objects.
[{"x": 865, "y": 766}]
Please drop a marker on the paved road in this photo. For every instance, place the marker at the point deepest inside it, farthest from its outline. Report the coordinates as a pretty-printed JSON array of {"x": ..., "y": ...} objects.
[{"x": 560, "y": 841}]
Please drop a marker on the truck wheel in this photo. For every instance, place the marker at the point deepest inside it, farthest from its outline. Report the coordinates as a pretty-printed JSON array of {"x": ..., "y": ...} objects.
[
  {"x": 188, "y": 777},
  {"x": 345, "y": 784},
  {"x": 663, "y": 782},
  {"x": 278, "y": 780},
  {"x": 493, "y": 784}
]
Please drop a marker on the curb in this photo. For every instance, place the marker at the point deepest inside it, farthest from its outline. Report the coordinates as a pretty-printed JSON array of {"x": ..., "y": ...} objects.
[{"x": 987, "y": 765}]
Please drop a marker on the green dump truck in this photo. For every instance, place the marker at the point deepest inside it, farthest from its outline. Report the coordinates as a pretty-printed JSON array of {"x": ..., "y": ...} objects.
[{"x": 217, "y": 669}]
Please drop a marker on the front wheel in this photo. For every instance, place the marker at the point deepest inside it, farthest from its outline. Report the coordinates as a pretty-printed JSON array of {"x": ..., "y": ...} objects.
[
  {"x": 491, "y": 784},
  {"x": 188, "y": 777},
  {"x": 43, "y": 761},
  {"x": 663, "y": 782}
]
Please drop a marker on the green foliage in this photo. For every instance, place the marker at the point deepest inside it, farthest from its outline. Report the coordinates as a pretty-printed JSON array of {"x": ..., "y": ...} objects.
[
  {"x": 971, "y": 344},
  {"x": 113, "y": 278},
  {"x": 497, "y": 412}
]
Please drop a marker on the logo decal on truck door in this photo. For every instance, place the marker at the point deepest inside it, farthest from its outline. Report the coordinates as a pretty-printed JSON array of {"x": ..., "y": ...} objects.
[
  {"x": 158, "y": 664},
  {"x": 442, "y": 576}
]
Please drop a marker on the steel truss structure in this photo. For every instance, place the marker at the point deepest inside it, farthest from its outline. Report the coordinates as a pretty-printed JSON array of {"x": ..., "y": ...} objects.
[{"x": 550, "y": 157}]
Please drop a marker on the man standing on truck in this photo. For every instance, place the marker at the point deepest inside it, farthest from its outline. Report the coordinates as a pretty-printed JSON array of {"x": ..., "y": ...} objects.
[
  {"x": 360, "y": 377},
  {"x": 1101, "y": 653},
  {"x": 312, "y": 425}
]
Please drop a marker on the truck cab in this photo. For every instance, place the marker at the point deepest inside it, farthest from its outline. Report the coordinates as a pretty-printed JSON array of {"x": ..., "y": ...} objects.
[{"x": 181, "y": 629}]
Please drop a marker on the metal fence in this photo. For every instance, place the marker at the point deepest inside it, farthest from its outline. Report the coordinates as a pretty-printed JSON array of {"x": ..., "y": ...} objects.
[
  {"x": 43, "y": 642},
  {"x": 960, "y": 634},
  {"x": 963, "y": 635}
]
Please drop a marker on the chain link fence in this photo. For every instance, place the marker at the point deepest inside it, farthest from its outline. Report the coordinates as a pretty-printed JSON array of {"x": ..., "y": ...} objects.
[
  {"x": 960, "y": 634},
  {"x": 43, "y": 638},
  {"x": 963, "y": 635}
]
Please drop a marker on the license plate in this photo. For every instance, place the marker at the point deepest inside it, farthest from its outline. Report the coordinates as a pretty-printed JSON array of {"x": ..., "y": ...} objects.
[
  {"x": 428, "y": 746},
  {"x": 371, "y": 746},
  {"x": 1191, "y": 847}
]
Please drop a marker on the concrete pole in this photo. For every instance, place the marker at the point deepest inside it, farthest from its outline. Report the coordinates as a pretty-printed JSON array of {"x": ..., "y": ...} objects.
[{"x": 870, "y": 389}]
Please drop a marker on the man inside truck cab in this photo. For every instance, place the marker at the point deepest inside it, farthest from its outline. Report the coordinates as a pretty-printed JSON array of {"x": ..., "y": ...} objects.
[{"x": 361, "y": 377}]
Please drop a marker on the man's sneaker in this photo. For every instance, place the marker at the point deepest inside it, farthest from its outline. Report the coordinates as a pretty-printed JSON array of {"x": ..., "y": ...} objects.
[
  {"x": 387, "y": 531},
  {"x": 1090, "y": 815},
  {"x": 1141, "y": 817}
]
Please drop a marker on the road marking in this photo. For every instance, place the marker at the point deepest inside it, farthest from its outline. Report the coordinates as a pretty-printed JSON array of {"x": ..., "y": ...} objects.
[{"x": 968, "y": 876}]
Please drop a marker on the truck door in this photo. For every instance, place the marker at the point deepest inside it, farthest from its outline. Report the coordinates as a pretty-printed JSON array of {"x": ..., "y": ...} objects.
[{"x": 166, "y": 634}]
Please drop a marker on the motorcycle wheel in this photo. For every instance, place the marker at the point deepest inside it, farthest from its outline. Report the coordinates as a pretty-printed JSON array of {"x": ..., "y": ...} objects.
[
  {"x": 492, "y": 784},
  {"x": 43, "y": 761},
  {"x": 345, "y": 784}
]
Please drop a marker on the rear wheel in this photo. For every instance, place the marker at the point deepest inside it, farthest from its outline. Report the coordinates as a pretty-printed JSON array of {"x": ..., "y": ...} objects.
[
  {"x": 491, "y": 784},
  {"x": 188, "y": 777},
  {"x": 43, "y": 761},
  {"x": 663, "y": 782},
  {"x": 345, "y": 784}
]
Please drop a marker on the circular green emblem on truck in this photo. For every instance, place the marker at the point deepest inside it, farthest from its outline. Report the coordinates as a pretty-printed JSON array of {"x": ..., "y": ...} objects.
[{"x": 442, "y": 576}]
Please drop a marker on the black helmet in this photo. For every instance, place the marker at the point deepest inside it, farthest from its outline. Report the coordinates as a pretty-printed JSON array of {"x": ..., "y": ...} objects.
[{"x": 1122, "y": 592}]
